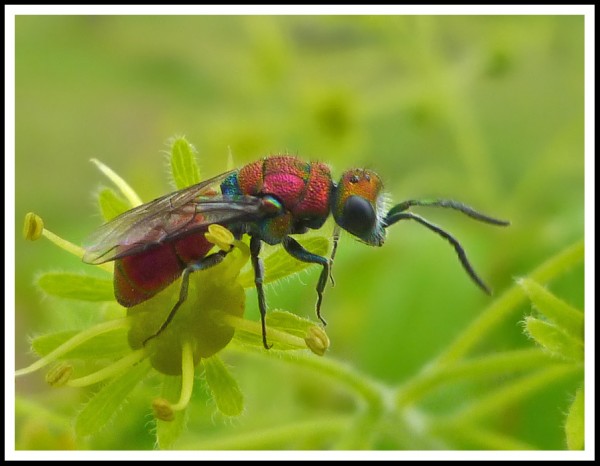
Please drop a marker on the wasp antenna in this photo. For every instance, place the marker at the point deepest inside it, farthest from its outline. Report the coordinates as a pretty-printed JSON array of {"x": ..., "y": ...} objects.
[
  {"x": 462, "y": 256},
  {"x": 445, "y": 203}
]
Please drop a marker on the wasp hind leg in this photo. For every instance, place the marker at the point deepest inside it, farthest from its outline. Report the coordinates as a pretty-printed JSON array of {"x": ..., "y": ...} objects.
[{"x": 205, "y": 263}]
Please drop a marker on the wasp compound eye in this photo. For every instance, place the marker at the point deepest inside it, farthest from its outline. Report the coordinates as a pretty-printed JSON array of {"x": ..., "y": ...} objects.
[{"x": 358, "y": 216}]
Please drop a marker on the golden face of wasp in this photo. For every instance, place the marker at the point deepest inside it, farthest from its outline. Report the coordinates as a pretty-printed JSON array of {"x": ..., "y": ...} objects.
[{"x": 358, "y": 205}]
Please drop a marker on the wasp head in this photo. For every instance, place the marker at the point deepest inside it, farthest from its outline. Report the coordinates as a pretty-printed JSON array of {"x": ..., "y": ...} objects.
[{"x": 359, "y": 205}]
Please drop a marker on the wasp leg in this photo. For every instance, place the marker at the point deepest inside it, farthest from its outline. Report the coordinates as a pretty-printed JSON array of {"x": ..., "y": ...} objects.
[
  {"x": 203, "y": 264},
  {"x": 295, "y": 249},
  {"x": 259, "y": 273}
]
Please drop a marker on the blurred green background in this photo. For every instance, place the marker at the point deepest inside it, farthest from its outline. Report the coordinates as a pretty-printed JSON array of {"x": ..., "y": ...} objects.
[{"x": 487, "y": 110}]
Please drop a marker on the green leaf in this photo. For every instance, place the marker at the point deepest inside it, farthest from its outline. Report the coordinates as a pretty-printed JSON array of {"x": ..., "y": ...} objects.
[
  {"x": 167, "y": 432},
  {"x": 76, "y": 286},
  {"x": 111, "y": 204},
  {"x": 225, "y": 390},
  {"x": 574, "y": 426},
  {"x": 280, "y": 264},
  {"x": 184, "y": 167},
  {"x": 556, "y": 310},
  {"x": 101, "y": 408},
  {"x": 106, "y": 345},
  {"x": 553, "y": 339}
]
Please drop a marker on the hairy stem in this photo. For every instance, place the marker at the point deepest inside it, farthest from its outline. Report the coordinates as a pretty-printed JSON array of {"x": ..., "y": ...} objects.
[{"x": 507, "y": 303}]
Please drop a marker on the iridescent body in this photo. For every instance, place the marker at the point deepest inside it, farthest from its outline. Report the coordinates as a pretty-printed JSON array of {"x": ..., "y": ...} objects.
[
  {"x": 270, "y": 199},
  {"x": 302, "y": 188}
]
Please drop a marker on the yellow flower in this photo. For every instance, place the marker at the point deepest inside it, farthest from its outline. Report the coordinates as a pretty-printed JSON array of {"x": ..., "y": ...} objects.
[{"x": 203, "y": 325}]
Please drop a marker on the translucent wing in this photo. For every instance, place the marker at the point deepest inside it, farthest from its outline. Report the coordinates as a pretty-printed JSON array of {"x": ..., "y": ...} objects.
[{"x": 167, "y": 218}]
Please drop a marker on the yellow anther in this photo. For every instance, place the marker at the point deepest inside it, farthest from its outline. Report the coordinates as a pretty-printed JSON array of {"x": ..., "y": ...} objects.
[
  {"x": 220, "y": 236},
  {"x": 162, "y": 410},
  {"x": 33, "y": 226},
  {"x": 317, "y": 340},
  {"x": 59, "y": 375}
]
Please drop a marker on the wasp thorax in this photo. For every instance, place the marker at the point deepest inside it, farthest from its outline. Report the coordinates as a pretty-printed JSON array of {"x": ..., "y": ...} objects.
[{"x": 356, "y": 205}]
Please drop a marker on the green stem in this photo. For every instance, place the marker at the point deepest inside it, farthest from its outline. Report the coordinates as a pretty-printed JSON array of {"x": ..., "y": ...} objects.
[
  {"x": 374, "y": 394},
  {"x": 478, "y": 437},
  {"x": 480, "y": 367},
  {"x": 360, "y": 432},
  {"x": 507, "y": 303},
  {"x": 73, "y": 342},
  {"x": 511, "y": 393},
  {"x": 275, "y": 436}
]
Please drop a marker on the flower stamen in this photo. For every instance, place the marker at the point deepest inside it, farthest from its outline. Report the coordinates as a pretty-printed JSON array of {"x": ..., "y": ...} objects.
[
  {"x": 220, "y": 237},
  {"x": 119, "y": 182},
  {"x": 73, "y": 342},
  {"x": 109, "y": 371},
  {"x": 316, "y": 341},
  {"x": 34, "y": 228},
  {"x": 163, "y": 408},
  {"x": 59, "y": 375},
  {"x": 187, "y": 376}
]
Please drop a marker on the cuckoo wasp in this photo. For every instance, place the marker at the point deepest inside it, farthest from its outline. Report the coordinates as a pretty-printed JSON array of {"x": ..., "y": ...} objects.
[{"x": 154, "y": 244}]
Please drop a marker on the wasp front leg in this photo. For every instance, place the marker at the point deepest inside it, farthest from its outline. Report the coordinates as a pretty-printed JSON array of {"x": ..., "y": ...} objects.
[{"x": 297, "y": 251}]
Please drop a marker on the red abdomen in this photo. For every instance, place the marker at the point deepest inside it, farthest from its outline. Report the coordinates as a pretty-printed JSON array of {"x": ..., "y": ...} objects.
[{"x": 140, "y": 276}]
